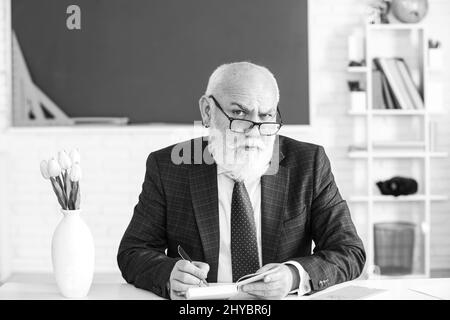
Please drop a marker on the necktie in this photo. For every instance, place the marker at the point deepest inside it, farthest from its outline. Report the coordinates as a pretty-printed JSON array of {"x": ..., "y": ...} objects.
[{"x": 244, "y": 247}]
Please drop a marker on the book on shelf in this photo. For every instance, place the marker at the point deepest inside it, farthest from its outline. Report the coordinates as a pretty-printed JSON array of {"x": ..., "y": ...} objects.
[
  {"x": 409, "y": 83},
  {"x": 398, "y": 88},
  {"x": 382, "y": 147},
  {"x": 383, "y": 96},
  {"x": 379, "y": 101},
  {"x": 393, "y": 68},
  {"x": 394, "y": 80},
  {"x": 390, "y": 100}
]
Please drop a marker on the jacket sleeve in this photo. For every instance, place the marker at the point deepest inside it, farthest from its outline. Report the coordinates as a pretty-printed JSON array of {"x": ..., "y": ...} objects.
[
  {"x": 338, "y": 254},
  {"x": 141, "y": 256}
]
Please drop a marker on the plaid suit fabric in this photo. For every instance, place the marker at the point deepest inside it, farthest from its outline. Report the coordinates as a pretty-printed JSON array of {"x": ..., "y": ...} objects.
[{"x": 301, "y": 203}]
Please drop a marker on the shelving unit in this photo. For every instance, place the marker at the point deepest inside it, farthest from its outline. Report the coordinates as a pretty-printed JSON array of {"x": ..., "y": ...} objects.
[
  {"x": 357, "y": 69},
  {"x": 388, "y": 41},
  {"x": 396, "y": 154},
  {"x": 395, "y": 112},
  {"x": 411, "y": 198}
]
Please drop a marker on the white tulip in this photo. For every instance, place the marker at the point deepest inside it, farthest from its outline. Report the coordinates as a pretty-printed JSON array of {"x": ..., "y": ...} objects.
[
  {"x": 75, "y": 156},
  {"x": 54, "y": 170},
  {"x": 44, "y": 169},
  {"x": 75, "y": 173},
  {"x": 64, "y": 160}
]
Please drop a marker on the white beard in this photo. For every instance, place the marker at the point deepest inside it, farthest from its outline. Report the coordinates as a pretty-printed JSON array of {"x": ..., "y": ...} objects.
[{"x": 240, "y": 163}]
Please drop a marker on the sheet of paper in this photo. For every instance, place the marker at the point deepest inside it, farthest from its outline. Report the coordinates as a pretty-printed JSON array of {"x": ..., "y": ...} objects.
[
  {"x": 349, "y": 293},
  {"x": 436, "y": 290},
  {"x": 215, "y": 291},
  {"x": 218, "y": 291},
  {"x": 255, "y": 277}
]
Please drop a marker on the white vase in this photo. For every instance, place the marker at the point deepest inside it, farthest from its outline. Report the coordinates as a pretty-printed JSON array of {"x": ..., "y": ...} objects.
[{"x": 73, "y": 255}]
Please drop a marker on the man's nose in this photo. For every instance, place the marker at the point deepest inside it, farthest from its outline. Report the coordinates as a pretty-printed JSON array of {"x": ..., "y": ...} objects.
[{"x": 253, "y": 132}]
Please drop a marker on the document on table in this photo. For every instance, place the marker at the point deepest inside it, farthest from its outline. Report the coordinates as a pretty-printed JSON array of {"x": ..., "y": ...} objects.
[
  {"x": 226, "y": 290},
  {"x": 436, "y": 290},
  {"x": 349, "y": 293}
]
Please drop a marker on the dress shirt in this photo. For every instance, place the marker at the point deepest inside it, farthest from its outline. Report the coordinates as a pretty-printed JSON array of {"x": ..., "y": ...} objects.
[{"x": 225, "y": 187}]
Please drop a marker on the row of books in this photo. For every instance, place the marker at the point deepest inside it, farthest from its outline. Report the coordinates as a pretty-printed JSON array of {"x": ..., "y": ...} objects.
[{"x": 393, "y": 85}]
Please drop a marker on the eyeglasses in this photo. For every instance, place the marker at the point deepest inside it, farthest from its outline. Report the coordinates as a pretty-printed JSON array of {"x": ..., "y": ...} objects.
[{"x": 244, "y": 126}]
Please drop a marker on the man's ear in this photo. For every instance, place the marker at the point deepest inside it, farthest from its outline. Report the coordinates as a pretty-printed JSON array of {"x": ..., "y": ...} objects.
[{"x": 205, "y": 111}]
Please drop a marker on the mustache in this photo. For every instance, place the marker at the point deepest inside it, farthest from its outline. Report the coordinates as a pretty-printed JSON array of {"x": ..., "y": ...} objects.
[
  {"x": 252, "y": 143},
  {"x": 237, "y": 143}
]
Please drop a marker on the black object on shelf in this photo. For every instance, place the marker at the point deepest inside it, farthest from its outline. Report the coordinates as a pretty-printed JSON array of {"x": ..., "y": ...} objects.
[
  {"x": 394, "y": 247},
  {"x": 361, "y": 63},
  {"x": 397, "y": 186},
  {"x": 354, "y": 86}
]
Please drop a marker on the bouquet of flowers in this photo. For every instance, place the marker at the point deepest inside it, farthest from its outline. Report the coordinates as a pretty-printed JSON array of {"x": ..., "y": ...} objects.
[{"x": 64, "y": 175}]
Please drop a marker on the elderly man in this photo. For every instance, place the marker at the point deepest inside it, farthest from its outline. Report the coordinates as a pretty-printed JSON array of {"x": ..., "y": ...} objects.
[{"x": 254, "y": 201}]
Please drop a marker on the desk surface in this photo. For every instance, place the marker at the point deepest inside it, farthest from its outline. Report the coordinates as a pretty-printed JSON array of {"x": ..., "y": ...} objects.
[
  {"x": 43, "y": 287},
  {"x": 113, "y": 287}
]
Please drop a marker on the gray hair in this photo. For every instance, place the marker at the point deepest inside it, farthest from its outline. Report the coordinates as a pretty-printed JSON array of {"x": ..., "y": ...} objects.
[{"x": 217, "y": 77}]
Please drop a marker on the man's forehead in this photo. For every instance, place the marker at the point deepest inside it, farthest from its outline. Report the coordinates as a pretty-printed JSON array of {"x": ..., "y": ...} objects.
[
  {"x": 251, "y": 102},
  {"x": 250, "y": 98}
]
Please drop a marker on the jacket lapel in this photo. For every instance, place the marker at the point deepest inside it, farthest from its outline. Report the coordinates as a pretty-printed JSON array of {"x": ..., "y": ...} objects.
[
  {"x": 274, "y": 191},
  {"x": 203, "y": 186}
]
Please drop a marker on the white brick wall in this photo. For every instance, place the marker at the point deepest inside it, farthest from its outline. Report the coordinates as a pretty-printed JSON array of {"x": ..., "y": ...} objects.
[{"x": 114, "y": 159}]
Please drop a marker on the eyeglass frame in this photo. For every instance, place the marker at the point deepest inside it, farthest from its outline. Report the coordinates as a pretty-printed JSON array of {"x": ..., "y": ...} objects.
[{"x": 231, "y": 119}]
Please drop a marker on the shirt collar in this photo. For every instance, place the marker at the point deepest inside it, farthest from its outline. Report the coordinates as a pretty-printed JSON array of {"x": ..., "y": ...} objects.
[{"x": 221, "y": 171}]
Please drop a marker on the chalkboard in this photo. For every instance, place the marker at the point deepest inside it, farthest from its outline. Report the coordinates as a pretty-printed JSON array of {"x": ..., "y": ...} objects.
[{"x": 150, "y": 60}]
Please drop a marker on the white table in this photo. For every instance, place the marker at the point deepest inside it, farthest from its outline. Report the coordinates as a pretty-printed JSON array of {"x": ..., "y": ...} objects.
[
  {"x": 43, "y": 287},
  {"x": 113, "y": 287},
  {"x": 393, "y": 289}
]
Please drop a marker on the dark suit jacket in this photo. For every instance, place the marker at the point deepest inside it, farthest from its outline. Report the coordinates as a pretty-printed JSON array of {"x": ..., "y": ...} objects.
[{"x": 178, "y": 205}]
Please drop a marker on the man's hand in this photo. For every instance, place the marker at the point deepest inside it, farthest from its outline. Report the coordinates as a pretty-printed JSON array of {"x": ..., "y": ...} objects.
[
  {"x": 276, "y": 285},
  {"x": 185, "y": 275}
]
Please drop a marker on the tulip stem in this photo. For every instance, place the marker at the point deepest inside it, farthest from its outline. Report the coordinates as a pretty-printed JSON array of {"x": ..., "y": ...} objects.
[
  {"x": 63, "y": 179},
  {"x": 68, "y": 185},
  {"x": 75, "y": 195},
  {"x": 63, "y": 192},
  {"x": 77, "y": 202},
  {"x": 58, "y": 193}
]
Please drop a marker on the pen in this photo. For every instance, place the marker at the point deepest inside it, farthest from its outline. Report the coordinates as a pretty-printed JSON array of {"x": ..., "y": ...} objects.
[{"x": 185, "y": 256}]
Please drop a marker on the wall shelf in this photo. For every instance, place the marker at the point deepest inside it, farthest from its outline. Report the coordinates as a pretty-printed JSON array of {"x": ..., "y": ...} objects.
[
  {"x": 410, "y": 198},
  {"x": 398, "y": 144},
  {"x": 396, "y": 154},
  {"x": 357, "y": 69},
  {"x": 395, "y": 112},
  {"x": 409, "y": 41}
]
